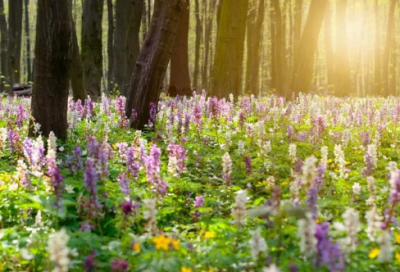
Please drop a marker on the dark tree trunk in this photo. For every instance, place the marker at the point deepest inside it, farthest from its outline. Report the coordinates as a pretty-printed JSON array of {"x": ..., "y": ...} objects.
[
  {"x": 110, "y": 45},
  {"x": 199, "y": 32},
  {"x": 180, "y": 77},
  {"x": 28, "y": 42},
  {"x": 254, "y": 38},
  {"x": 298, "y": 18},
  {"x": 144, "y": 26},
  {"x": 4, "y": 59},
  {"x": 153, "y": 60},
  {"x": 388, "y": 70},
  {"x": 228, "y": 63},
  {"x": 15, "y": 36},
  {"x": 52, "y": 67},
  {"x": 209, "y": 19},
  {"x": 330, "y": 66},
  {"x": 133, "y": 42},
  {"x": 92, "y": 55},
  {"x": 342, "y": 66},
  {"x": 77, "y": 80},
  {"x": 304, "y": 59},
  {"x": 126, "y": 43}
]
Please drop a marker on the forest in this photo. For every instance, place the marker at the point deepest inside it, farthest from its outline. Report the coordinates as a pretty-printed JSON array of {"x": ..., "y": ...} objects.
[{"x": 199, "y": 135}]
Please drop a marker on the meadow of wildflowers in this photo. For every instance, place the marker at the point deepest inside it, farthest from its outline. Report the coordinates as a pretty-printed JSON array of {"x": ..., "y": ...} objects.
[{"x": 258, "y": 184}]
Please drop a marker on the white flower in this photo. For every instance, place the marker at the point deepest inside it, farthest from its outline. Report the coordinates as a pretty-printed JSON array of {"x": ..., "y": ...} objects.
[
  {"x": 324, "y": 156},
  {"x": 271, "y": 268},
  {"x": 257, "y": 244},
  {"x": 340, "y": 160},
  {"x": 309, "y": 169},
  {"x": 226, "y": 166},
  {"x": 239, "y": 211},
  {"x": 38, "y": 218},
  {"x": 352, "y": 224},
  {"x": 61, "y": 148},
  {"x": 240, "y": 147},
  {"x": 58, "y": 250},
  {"x": 386, "y": 248},
  {"x": 69, "y": 189},
  {"x": 306, "y": 232},
  {"x": 374, "y": 222},
  {"x": 51, "y": 142},
  {"x": 356, "y": 188},
  {"x": 150, "y": 214},
  {"x": 292, "y": 152},
  {"x": 25, "y": 254},
  {"x": 36, "y": 128},
  {"x": 371, "y": 187}
]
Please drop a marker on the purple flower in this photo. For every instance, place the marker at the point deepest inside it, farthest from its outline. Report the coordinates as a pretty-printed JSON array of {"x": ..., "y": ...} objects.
[
  {"x": 198, "y": 202},
  {"x": 131, "y": 162},
  {"x": 123, "y": 184},
  {"x": 197, "y": 116},
  {"x": 89, "y": 262},
  {"x": 153, "y": 113},
  {"x": 328, "y": 253},
  {"x": 179, "y": 153},
  {"x": 56, "y": 179},
  {"x": 247, "y": 161},
  {"x": 119, "y": 265},
  {"x": 312, "y": 200},
  {"x": 85, "y": 227},
  {"x": 127, "y": 207},
  {"x": 21, "y": 115}
]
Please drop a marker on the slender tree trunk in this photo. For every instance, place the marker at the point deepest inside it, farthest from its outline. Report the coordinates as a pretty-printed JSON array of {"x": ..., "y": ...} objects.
[
  {"x": 179, "y": 73},
  {"x": 52, "y": 67},
  {"x": 304, "y": 59},
  {"x": 329, "y": 51},
  {"x": 28, "y": 42},
  {"x": 278, "y": 48},
  {"x": 298, "y": 18},
  {"x": 92, "y": 54},
  {"x": 145, "y": 26},
  {"x": 342, "y": 66},
  {"x": 77, "y": 80},
  {"x": 209, "y": 19},
  {"x": 250, "y": 33},
  {"x": 228, "y": 63},
  {"x": 387, "y": 70},
  {"x": 199, "y": 33},
  {"x": 4, "y": 59},
  {"x": 153, "y": 60},
  {"x": 15, "y": 39},
  {"x": 110, "y": 45},
  {"x": 378, "y": 67}
]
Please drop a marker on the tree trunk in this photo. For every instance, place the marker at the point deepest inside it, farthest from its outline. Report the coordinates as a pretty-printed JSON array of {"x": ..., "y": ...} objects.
[
  {"x": 387, "y": 66},
  {"x": 15, "y": 36},
  {"x": 126, "y": 42},
  {"x": 28, "y": 42},
  {"x": 92, "y": 55},
  {"x": 179, "y": 76},
  {"x": 199, "y": 32},
  {"x": 207, "y": 43},
  {"x": 342, "y": 67},
  {"x": 153, "y": 60},
  {"x": 228, "y": 63},
  {"x": 378, "y": 67},
  {"x": 254, "y": 38},
  {"x": 132, "y": 42},
  {"x": 4, "y": 51},
  {"x": 329, "y": 51},
  {"x": 52, "y": 67},
  {"x": 278, "y": 49},
  {"x": 110, "y": 45},
  {"x": 304, "y": 59},
  {"x": 298, "y": 18},
  {"x": 77, "y": 80}
]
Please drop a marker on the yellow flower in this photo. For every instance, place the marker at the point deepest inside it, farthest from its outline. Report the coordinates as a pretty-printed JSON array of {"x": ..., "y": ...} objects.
[
  {"x": 186, "y": 269},
  {"x": 162, "y": 242},
  {"x": 175, "y": 244},
  {"x": 397, "y": 236},
  {"x": 136, "y": 247},
  {"x": 209, "y": 235},
  {"x": 374, "y": 253},
  {"x": 397, "y": 257}
]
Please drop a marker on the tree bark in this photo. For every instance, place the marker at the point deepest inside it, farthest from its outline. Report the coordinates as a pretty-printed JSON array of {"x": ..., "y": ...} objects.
[
  {"x": 52, "y": 67},
  {"x": 377, "y": 66},
  {"x": 304, "y": 59},
  {"x": 15, "y": 36},
  {"x": 387, "y": 68},
  {"x": 28, "y": 43},
  {"x": 342, "y": 66},
  {"x": 4, "y": 51},
  {"x": 92, "y": 55},
  {"x": 110, "y": 45},
  {"x": 199, "y": 32},
  {"x": 153, "y": 60},
  {"x": 179, "y": 72},
  {"x": 126, "y": 43},
  {"x": 228, "y": 63},
  {"x": 209, "y": 19}
]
